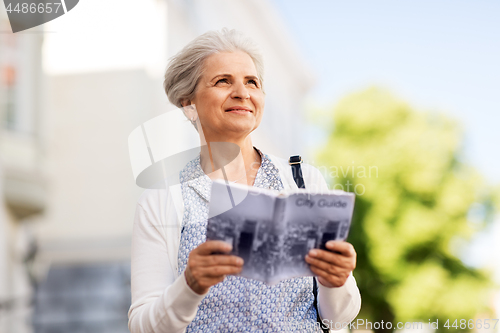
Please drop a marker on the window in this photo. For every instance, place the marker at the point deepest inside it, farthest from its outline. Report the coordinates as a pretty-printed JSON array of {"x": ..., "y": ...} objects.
[{"x": 8, "y": 75}]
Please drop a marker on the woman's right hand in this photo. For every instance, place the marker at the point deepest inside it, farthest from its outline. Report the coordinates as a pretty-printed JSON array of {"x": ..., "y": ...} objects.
[{"x": 205, "y": 269}]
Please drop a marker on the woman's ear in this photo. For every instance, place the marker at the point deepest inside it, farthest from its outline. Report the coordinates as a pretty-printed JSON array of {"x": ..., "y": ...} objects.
[{"x": 190, "y": 111}]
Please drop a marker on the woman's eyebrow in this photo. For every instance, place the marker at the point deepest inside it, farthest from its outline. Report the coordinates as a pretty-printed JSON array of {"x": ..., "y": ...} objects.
[
  {"x": 253, "y": 77},
  {"x": 229, "y": 75},
  {"x": 221, "y": 75}
]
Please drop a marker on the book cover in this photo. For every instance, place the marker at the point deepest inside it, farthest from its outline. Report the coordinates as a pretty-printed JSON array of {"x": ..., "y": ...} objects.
[{"x": 274, "y": 231}]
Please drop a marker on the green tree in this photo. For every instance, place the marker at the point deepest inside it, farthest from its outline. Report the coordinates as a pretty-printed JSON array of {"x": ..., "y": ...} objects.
[{"x": 413, "y": 200}]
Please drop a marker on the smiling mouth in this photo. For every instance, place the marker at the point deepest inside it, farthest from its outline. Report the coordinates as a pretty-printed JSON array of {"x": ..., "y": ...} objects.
[{"x": 239, "y": 110}]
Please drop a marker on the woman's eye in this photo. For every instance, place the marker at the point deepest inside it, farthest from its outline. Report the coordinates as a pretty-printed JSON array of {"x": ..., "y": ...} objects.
[
  {"x": 222, "y": 81},
  {"x": 253, "y": 82}
]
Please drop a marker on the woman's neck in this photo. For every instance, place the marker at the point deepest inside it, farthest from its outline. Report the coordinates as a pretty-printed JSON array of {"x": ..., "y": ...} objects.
[{"x": 232, "y": 161}]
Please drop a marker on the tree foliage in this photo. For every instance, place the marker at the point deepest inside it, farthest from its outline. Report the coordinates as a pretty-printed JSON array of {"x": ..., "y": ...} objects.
[{"x": 411, "y": 214}]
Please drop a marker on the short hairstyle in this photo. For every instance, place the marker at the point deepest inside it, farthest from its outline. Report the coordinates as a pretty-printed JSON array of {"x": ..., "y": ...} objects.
[{"x": 186, "y": 67}]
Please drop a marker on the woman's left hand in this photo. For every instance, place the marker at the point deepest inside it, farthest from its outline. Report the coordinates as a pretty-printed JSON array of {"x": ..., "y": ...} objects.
[{"x": 332, "y": 268}]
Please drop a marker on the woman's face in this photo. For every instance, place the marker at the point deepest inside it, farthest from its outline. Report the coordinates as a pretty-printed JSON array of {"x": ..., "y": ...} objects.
[{"x": 229, "y": 98}]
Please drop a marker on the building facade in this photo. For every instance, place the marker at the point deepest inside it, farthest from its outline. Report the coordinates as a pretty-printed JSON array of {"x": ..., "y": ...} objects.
[{"x": 23, "y": 186}]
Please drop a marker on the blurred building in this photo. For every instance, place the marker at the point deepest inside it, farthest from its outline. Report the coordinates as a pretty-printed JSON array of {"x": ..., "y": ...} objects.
[
  {"x": 68, "y": 132},
  {"x": 23, "y": 187}
]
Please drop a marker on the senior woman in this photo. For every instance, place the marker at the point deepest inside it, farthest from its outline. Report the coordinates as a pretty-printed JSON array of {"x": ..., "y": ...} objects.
[{"x": 180, "y": 281}]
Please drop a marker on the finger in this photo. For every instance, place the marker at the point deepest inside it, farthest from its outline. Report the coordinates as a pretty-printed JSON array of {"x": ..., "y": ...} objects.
[
  {"x": 333, "y": 280},
  {"x": 332, "y": 258},
  {"x": 212, "y": 246},
  {"x": 325, "y": 266},
  {"x": 200, "y": 278},
  {"x": 219, "y": 260},
  {"x": 217, "y": 271},
  {"x": 344, "y": 248},
  {"x": 208, "y": 282}
]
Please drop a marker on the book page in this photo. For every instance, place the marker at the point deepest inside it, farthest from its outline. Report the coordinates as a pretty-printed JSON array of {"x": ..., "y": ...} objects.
[
  {"x": 247, "y": 226},
  {"x": 310, "y": 220}
]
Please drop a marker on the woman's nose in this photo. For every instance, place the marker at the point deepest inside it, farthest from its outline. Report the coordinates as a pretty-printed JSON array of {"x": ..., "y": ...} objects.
[{"x": 240, "y": 91}]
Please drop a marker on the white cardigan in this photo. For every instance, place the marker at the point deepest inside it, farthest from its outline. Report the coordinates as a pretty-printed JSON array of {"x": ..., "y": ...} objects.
[{"x": 161, "y": 299}]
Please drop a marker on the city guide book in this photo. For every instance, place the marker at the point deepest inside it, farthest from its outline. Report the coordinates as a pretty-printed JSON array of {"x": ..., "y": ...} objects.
[{"x": 274, "y": 231}]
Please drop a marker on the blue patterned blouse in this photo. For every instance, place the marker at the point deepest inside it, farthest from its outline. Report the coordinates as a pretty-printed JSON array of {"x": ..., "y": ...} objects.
[{"x": 239, "y": 304}]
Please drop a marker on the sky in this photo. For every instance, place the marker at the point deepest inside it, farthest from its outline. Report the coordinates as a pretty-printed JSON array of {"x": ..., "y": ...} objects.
[{"x": 436, "y": 55}]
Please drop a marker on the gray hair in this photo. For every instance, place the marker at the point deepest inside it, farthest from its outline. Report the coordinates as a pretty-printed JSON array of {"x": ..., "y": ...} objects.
[{"x": 186, "y": 67}]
